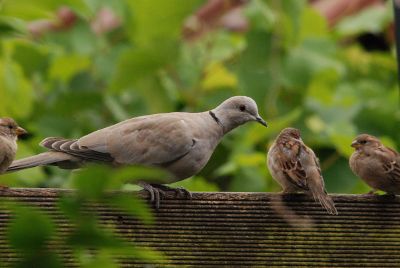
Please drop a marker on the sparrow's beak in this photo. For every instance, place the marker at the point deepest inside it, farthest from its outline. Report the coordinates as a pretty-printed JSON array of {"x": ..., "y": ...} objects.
[
  {"x": 20, "y": 131},
  {"x": 355, "y": 144},
  {"x": 261, "y": 121}
]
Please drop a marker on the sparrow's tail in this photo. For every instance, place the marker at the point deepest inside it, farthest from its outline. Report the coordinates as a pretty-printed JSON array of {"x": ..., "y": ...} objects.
[
  {"x": 325, "y": 200},
  {"x": 60, "y": 159}
]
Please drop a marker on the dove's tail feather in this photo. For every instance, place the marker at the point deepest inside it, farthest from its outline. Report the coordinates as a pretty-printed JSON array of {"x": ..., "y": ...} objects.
[
  {"x": 60, "y": 159},
  {"x": 325, "y": 200}
]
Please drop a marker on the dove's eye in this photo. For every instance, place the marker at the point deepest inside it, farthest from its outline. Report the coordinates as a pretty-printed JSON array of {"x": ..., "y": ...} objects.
[{"x": 242, "y": 108}]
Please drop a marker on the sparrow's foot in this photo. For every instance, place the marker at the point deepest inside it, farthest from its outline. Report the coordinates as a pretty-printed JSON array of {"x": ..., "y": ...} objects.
[
  {"x": 390, "y": 195},
  {"x": 156, "y": 193},
  {"x": 4, "y": 188},
  {"x": 371, "y": 193},
  {"x": 290, "y": 192}
]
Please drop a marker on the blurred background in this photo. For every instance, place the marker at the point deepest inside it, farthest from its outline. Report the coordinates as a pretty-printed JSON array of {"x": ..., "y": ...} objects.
[{"x": 325, "y": 67}]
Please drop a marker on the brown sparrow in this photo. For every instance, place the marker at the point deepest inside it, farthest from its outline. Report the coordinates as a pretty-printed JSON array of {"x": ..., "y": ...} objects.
[
  {"x": 377, "y": 165},
  {"x": 9, "y": 132},
  {"x": 296, "y": 168}
]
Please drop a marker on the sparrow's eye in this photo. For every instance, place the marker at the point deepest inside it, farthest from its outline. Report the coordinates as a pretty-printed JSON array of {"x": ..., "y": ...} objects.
[
  {"x": 242, "y": 108},
  {"x": 10, "y": 126},
  {"x": 363, "y": 142}
]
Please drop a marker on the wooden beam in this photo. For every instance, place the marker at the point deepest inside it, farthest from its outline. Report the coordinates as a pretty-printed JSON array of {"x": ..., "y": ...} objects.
[{"x": 244, "y": 229}]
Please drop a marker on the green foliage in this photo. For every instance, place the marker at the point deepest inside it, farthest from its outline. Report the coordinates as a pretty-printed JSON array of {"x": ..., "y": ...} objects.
[
  {"x": 29, "y": 234},
  {"x": 88, "y": 234},
  {"x": 73, "y": 80}
]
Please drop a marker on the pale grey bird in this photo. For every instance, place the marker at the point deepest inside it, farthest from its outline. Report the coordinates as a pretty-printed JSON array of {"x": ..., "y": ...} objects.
[
  {"x": 9, "y": 132},
  {"x": 181, "y": 143},
  {"x": 377, "y": 165},
  {"x": 296, "y": 168}
]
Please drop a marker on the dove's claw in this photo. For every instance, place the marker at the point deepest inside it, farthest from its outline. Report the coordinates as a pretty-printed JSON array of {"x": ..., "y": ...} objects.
[
  {"x": 183, "y": 192},
  {"x": 156, "y": 194}
]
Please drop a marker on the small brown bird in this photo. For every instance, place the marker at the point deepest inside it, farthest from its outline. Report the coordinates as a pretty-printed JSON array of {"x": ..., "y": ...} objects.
[
  {"x": 377, "y": 165},
  {"x": 296, "y": 168},
  {"x": 9, "y": 132}
]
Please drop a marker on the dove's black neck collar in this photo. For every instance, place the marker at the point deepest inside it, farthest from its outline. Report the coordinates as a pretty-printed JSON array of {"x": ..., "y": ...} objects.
[{"x": 216, "y": 119}]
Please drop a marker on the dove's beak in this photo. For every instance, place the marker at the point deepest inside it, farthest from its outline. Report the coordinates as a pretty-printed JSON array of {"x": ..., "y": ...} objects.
[
  {"x": 261, "y": 121},
  {"x": 20, "y": 131},
  {"x": 355, "y": 144}
]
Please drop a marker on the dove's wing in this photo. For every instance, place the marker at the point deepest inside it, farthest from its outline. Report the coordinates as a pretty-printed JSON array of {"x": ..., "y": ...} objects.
[{"x": 152, "y": 140}]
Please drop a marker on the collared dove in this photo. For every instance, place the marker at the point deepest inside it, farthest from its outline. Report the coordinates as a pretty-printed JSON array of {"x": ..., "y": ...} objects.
[
  {"x": 9, "y": 132},
  {"x": 377, "y": 165},
  {"x": 296, "y": 168},
  {"x": 179, "y": 142}
]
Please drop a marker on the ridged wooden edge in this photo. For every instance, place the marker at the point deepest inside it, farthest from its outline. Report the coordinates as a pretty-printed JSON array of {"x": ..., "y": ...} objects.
[
  {"x": 214, "y": 196},
  {"x": 217, "y": 229}
]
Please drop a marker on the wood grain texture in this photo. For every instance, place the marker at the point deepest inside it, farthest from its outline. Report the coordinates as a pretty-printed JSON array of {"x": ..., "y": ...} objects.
[{"x": 243, "y": 230}]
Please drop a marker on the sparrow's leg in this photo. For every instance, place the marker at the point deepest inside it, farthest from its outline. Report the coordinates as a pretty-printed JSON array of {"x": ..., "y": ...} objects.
[
  {"x": 371, "y": 193},
  {"x": 4, "y": 187},
  {"x": 391, "y": 195}
]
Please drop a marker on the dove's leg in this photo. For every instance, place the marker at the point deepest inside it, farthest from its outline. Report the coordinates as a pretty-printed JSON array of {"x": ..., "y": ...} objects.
[
  {"x": 156, "y": 194},
  {"x": 179, "y": 191}
]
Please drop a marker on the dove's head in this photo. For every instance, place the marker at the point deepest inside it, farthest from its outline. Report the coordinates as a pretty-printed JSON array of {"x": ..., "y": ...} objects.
[
  {"x": 236, "y": 111},
  {"x": 9, "y": 128},
  {"x": 365, "y": 141}
]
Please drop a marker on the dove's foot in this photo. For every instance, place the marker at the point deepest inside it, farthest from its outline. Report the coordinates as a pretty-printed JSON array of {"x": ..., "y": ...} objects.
[
  {"x": 156, "y": 194},
  {"x": 179, "y": 191}
]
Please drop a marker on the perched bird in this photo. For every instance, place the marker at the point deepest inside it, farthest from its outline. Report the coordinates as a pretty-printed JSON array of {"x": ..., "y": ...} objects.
[
  {"x": 181, "y": 143},
  {"x": 377, "y": 165},
  {"x": 9, "y": 132},
  {"x": 296, "y": 168}
]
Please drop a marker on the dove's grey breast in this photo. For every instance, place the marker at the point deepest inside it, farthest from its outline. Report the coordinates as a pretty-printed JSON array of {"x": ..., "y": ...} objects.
[{"x": 206, "y": 134}]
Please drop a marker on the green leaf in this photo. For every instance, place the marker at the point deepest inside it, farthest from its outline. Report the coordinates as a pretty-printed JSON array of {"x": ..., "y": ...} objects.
[
  {"x": 248, "y": 179},
  {"x": 92, "y": 181},
  {"x": 159, "y": 20},
  {"x": 341, "y": 134},
  {"x": 31, "y": 57},
  {"x": 217, "y": 76},
  {"x": 132, "y": 205},
  {"x": 372, "y": 19},
  {"x": 28, "y": 10},
  {"x": 141, "y": 63},
  {"x": 14, "y": 86},
  {"x": 30, "y": 230},
  {"x": 66, "y": 66},
  {"x": 313, "y": 25}
]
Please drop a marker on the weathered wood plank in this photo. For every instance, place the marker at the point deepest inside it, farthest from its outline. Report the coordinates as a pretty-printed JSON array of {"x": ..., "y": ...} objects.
[{"x": 242, "y": 229}]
